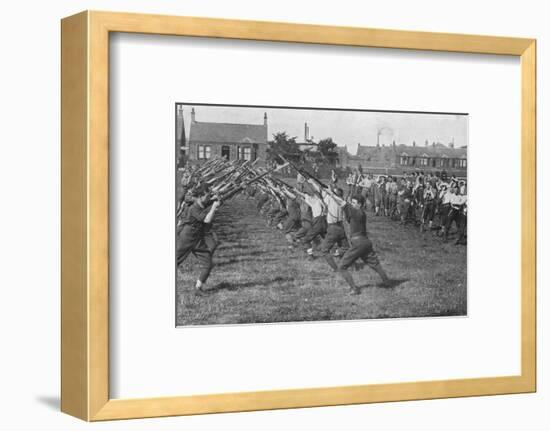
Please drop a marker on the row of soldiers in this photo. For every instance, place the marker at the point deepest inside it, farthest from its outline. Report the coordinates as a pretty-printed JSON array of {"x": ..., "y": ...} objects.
[
  {"x": 204, "y": 190},
  {"x": 431, "y": 202},
  {"x": 320, "y": 220},
  {"x": 314, "y": 213}
]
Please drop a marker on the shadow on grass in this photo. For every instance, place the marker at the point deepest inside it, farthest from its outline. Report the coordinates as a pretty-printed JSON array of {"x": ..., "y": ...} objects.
[
  {"x": 247, "y": 258},
  {"x": 226, "y": 285},
  {"x": 239, "y": 246},
  {"x": 390, "y": 285}
]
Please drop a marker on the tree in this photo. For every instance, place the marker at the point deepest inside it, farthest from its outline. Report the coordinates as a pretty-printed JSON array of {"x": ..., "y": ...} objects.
[
  {"x": 285, "y": 145},
  {"x": 327, "y": 146},
  {"x": 327, "y": 150}
]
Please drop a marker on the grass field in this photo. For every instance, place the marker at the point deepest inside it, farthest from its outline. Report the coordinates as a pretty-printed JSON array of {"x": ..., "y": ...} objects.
[{"x": 257, "y": 279}]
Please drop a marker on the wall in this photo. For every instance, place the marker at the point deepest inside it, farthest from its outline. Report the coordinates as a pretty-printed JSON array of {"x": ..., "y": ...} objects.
[{"x": 29, "y": 221}]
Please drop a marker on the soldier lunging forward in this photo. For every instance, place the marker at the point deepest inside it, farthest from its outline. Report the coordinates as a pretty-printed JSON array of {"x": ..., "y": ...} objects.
[
  {"x": 361, "y": 246},
  {"x": 197, "y": 237}
]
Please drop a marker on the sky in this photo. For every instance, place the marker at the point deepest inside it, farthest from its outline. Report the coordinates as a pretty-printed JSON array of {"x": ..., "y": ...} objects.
[{"x": 346, "y": 128}]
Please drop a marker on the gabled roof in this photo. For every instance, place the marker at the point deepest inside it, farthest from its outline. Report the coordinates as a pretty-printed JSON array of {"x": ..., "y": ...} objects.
[
  {"x": 228, "y": 132},
  {"x": 384, "y": 153},
  {"x": 438, "y": 150}
]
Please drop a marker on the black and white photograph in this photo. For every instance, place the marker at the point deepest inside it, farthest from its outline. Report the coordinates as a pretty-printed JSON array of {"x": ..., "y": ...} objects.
[{"x": 307, "y": 214}]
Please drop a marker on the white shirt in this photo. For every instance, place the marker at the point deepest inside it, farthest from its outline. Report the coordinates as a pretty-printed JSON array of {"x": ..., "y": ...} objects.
[
  {"x": 315, "y": 204},
  {"x": 335, "y": 212},
  {"x": 457, "y": 200},
  {"x": 447, "y": 197},
  {"x": 366, "y": 182},
  {"x": 391, "y": 187}
]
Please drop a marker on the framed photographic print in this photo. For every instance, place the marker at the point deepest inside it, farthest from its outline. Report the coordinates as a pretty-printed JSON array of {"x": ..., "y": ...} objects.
[{"x": 263, "y": 215}]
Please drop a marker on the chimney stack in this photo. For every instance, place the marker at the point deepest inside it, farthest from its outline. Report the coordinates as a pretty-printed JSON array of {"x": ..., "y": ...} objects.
[
  {"x": 192, "y": 115},
  {"x": 265, "y": 118},
  {"x": 426, "y": 143},
  {"x": 306, "y": 132},
  {"x": 414, "y": 143}
]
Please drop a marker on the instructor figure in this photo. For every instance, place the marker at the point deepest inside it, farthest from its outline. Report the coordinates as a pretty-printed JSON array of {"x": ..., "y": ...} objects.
[
  {"x": 361, "y": 246},
  {"x": 196, "y": 235}
]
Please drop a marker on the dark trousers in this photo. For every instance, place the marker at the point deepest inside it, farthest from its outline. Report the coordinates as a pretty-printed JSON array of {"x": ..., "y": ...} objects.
[
  {"x": 203, "y": 249},
  {"x": 428, "y": 212},
  {"x": 453, "y": 215},
  {"x": 335, "y": 236},
  {"x": 392, "y": 204},
  {"x": 318, "y": 228},
  {"x": 361, "y": 248},
  {"x": 304, "y": 229},
  {"x": 351, "y": 191},
  {"x": 462, "y": 227},
  {"x": 444, "y": 214},
  {"x": 292, "y": 224}
]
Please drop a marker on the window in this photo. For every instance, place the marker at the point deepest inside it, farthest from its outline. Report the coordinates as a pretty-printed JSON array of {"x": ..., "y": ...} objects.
[
  {"x": 423, "y": 161},
  {"x": 461, "y": 163},
  {"x": 404, "y": 160},
  {"x": 245, "y": 153},
  {"x": 254, "y": 152},
  {"x": 226, "y": 151},
  {"x": 204, "y": 152}
]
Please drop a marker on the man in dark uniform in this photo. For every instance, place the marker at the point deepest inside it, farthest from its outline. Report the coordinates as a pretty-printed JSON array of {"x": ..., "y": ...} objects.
[
  {"x": 391, "y": 197},
  {"x": 306, "y": 217},
  {"x": 261, "y": 199},
  {"x": 277, "y": 213},
  {"x": 404, "y": 197},
  {"x": 196, "y": 235},
  {"x": 462, "y": 225},
  {"x": 292, "y": 223},
  {"x": 361, "y": 246},
  {"x": 282, "y": 214},
  {"x": 428, "y": 208},
  {"x": 379, "y": 195},
  {"x": 184, "y": 204}
]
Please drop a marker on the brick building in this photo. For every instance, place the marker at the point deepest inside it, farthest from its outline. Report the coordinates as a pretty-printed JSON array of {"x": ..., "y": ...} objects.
[
  {"x": 229, "y": 140},
  {"x": 397, "y": 158}
]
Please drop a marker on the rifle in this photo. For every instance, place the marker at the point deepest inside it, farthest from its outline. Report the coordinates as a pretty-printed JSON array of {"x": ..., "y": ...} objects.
[
  {"x": 223, "y": 187},
  {"x": 238, "y": 188},
  {"x": 303, "y": 172},
  {"x": 226, "y": 175},
  {"x": 282, "y": 183}
]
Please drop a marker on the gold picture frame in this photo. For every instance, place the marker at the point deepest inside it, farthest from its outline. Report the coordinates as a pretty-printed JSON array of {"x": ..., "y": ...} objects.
[{"x": 85, "y": 223}]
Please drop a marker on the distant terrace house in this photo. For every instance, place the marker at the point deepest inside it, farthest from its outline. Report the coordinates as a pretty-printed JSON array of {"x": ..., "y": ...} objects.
[
  {"x": 229, "y": 140},
  {"x": 395, "y": 158}
]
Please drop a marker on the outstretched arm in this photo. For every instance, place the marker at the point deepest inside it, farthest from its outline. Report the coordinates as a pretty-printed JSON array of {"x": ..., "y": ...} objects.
[{"x": 210, "y": 216}]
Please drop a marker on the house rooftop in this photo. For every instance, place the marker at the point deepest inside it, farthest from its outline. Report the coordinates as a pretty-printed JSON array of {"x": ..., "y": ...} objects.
[{"x": 228, "y": 132}]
